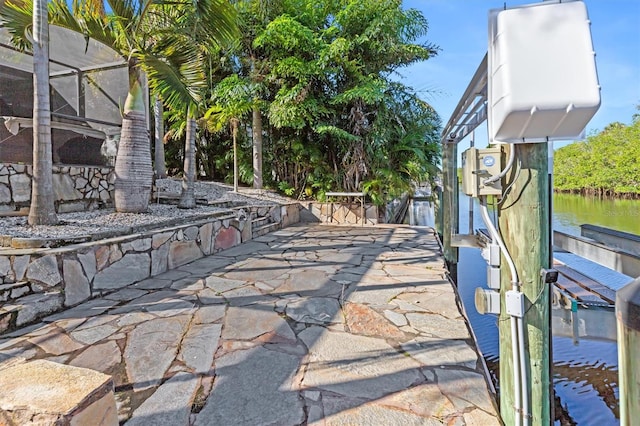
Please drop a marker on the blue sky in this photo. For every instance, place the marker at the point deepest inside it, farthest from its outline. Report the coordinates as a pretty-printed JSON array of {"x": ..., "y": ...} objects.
[{"x": 459, "y": 28}]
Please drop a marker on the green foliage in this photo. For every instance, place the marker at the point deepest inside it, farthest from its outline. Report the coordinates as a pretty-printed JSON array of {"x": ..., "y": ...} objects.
[
  {"x": 317, "y": 72},
  {"x": 336, "y": 119},
  {"x": 285, "y": 188},
  {"x": 607, "y": 163}
]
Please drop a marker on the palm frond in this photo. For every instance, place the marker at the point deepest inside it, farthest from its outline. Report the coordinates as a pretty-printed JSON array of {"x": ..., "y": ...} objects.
[
  {"x": 206, "y": 20},
  {"x": 178, "y": 86},
  {"x": 16, "y": 17},
  {"x": 83, "y": 18}
]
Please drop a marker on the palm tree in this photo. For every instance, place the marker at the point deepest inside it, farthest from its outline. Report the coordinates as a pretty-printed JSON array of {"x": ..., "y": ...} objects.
[
  {"x": 42, "y": 210},
  {"x": 180, "y": 76},
  {"x": 254, "y": 16},
  {"x": 142, "y": 33},
  {"x": 158, "y": 120},
  {"x": 21, "y": 20},
  {"x": 233, "y": 100},
  {"x": 187, "y": 196}
]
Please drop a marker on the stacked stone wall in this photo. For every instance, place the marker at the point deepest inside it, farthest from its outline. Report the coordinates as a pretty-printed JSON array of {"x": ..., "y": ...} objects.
[
  {"x": 37, "y": 282},
  {"x": 339, "y": 213},
  {"x": 76, "y": 188}
]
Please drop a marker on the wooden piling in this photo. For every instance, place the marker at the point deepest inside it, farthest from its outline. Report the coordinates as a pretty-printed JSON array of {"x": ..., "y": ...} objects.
[
  {"x": 439, "y": 220},
  {"x": 449, "y": 205},
  {"x": 524, "y": 225},
  {"x": 628, "y": 317}
]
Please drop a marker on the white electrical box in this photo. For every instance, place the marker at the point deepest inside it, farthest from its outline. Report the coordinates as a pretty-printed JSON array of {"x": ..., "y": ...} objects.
[
  {"x": 542, "y": 78},
  {"x": 514, "y": 303},
  {"x": 478, "y": 165},
  {"x": 487, "y": 301},
  {"x": 491, "y": 253},
  {"x": 493, "y": 277}
]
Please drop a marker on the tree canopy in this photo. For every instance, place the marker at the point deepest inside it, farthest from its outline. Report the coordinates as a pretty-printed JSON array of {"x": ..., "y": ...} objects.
[
  {"x": 312, "y": 80},
  {"x": 320, "y": 74},
  {"x": 606, "y": 163}
]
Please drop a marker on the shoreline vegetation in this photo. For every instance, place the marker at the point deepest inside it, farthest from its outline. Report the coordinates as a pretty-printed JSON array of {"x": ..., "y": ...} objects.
[
  {"x": 605, "y": 165},
  {"x": 603, "y": 194}
]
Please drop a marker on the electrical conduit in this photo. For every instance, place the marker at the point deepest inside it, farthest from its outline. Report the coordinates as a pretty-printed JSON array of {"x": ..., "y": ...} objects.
[{"x": 520, "y": 379}]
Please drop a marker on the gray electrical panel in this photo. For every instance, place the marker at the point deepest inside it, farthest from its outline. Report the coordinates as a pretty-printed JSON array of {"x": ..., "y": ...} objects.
[{"x": 478, "y": 165}]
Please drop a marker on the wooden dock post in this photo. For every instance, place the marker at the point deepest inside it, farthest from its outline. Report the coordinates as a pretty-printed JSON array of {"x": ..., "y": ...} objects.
[
  {"x": 437, "y": 207},
  {"x": 524, "y": 225},
  {"x": 628, "y": 316},
  {"x": 449, "y": 207}
]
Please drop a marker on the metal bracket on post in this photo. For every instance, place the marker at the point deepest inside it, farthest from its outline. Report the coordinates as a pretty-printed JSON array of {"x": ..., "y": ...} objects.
[{"x": 549, "y": 276}]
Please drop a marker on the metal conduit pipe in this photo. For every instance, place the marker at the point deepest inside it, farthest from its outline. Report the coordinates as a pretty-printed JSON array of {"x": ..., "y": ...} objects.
[{"x": 526, "y": 414}]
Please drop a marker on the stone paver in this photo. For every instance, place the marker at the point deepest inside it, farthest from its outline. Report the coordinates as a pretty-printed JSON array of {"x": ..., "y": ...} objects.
[
  {"x": 309, "y": 325},
  {"x": 254, "y": 386},
  {"x": 169, "y": 405}
]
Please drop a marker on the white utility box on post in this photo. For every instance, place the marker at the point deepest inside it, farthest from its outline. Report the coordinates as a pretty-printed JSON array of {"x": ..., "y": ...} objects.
[
  {"x": 542, "y": 78},
  {"x": 478, "y": 165}
]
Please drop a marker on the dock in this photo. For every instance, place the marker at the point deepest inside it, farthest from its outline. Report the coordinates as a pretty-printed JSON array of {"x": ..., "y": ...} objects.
[
  {"x": 582, "y": 307},
  {"x": 308, "y": 325}
]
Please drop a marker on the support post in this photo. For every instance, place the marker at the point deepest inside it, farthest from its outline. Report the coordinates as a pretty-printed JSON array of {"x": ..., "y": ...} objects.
[
  {"x": 524, "y": 225},
  {"x": 449, "y": 205},
  {"x": 81, "y": 103},
  {"x": 471, "y": 200},
  {"x": 628, "y": 316},
  {"x": 437, "y": 207}
]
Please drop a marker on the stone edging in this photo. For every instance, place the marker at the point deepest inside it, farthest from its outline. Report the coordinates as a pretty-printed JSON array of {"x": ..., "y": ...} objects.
[{"x": 40, "y": 281}]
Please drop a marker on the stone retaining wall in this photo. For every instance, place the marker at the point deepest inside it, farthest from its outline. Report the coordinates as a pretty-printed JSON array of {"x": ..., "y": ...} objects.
[
  {"x": 37, "y": 282},
  {"x": 76, "y": 188},
  {"x": 339, "y": 213}
]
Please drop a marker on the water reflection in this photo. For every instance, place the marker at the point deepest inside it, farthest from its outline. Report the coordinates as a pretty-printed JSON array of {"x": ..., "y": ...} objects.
[{"x": 571, "y": 211}]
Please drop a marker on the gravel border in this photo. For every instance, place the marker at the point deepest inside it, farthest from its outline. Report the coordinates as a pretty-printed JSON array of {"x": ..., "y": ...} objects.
[{"x": 107, "y": 222}]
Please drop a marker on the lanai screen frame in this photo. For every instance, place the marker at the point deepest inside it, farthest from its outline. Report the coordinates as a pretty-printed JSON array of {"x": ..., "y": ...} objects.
[{"x": 90, "y": 76}]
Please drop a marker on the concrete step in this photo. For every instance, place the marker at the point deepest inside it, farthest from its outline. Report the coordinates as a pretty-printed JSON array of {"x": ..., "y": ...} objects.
[
  {"x": 8, "y": 315},
  {"x": 261, "y": 221},
  {"x": 54, "y": 393},
  {"x": 172, "y": 198},
  {"x": 264, "y": 229}
]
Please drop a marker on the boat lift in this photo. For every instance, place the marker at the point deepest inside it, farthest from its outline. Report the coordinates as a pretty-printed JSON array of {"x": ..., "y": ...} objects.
[
  {"x": 538, "y": 83},
  {"x": 582, "y": 307}
]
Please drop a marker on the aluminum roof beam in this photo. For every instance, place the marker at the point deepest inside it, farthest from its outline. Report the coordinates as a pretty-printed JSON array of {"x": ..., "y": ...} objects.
[{"x": 471, "y": 111}]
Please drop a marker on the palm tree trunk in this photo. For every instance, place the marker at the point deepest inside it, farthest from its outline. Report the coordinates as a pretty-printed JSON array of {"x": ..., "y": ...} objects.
[
  {"x": 134, "y": 172},
  {"x": 234, "y": 126},
  {"x": 187, "y": 197},
  {"x": 42, "y": 210},
  {"x": 159, "y": 160},
  {"x": 257, "y": 147}
]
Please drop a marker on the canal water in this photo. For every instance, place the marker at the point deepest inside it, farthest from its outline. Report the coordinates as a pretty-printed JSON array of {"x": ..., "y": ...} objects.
[{"x": 585, "y": 374}]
